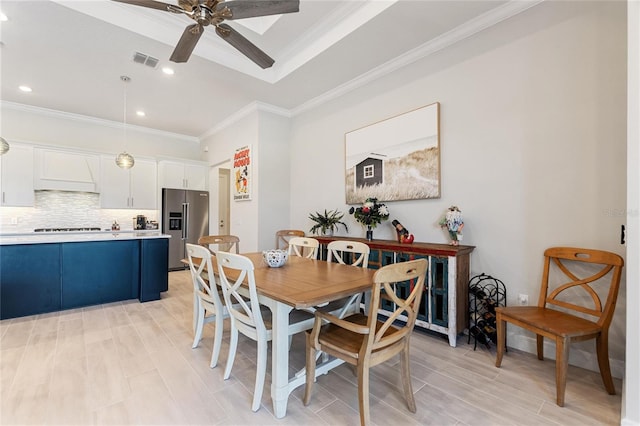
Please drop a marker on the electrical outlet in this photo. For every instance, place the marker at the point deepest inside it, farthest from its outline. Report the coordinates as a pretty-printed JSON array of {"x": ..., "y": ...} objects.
[{"x": 523, "y": 299}]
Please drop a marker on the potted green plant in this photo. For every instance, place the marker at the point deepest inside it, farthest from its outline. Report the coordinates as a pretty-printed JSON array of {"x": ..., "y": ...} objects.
[{"x": 327, "y": 222}]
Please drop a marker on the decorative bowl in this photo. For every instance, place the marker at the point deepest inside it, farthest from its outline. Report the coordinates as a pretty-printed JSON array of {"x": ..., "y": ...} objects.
[{"x": 275, "y": 258}]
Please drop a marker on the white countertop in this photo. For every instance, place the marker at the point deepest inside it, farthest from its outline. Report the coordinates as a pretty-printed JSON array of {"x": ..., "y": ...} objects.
[{"x": 74, "y": 237}]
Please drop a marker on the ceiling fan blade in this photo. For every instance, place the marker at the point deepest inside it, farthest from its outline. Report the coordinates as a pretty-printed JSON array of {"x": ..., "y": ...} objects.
[
  {"x": 247, "y": 48},
  {"x": 148, "y": 3},
  {"x": 187, "y": 43},
  {"x": 252, "y": 8}
]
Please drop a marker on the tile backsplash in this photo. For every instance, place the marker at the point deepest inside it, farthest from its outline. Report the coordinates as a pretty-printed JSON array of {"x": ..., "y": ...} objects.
[{"x": 63, "y": 209}]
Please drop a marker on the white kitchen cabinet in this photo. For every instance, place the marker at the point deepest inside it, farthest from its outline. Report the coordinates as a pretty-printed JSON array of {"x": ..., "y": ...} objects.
[
  {"x": 133, "y": 188},
  {"x": 177, "y": 175},
  {"x": 16, "y": 172}
]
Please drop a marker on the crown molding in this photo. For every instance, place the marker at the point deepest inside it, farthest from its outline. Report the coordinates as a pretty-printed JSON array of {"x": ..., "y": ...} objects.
[
  {"x": 249, "y": 109},
  {"x": 45, "y": 112},
  {"x": 449, "y": 38},
  {"x": 459, "y": 33}
]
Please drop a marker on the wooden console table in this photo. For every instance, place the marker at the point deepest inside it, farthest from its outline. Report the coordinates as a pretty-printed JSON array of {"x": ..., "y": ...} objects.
[{"x": 444, "y": 306}]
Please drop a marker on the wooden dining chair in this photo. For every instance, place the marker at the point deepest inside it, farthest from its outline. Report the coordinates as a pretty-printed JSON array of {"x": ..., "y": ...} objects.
[
  {"x": 222, "y": 242},
  {"x": 578, "y": 272},
  {"x": 208, "y": 305},
  {"x": 283, "y": 236},
  {"x": 352, "y": 253},
  {"x": 365, "y": 341},
  {"x": 304, "y": 247},
  {"x": 249, "y": 317}
]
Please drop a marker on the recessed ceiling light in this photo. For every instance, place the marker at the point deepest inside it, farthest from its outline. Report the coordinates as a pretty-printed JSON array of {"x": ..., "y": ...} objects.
[
  {"x": 168, "y": 71},
  {"x": 140, "y": 113},
  {"x": 25, "y": 88},
  {"x": 3, "y": 17}
]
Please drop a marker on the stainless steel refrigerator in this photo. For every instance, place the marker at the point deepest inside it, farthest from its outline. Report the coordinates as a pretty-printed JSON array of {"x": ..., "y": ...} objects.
[{"x": 185, "y": 216}]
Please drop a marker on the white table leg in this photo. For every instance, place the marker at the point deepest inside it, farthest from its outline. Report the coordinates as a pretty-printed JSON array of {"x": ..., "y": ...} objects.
[{"x": 280, "y": 357}]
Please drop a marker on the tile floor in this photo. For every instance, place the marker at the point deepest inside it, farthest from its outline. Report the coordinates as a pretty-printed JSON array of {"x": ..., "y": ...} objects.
[{"x": 132, "y": 363}]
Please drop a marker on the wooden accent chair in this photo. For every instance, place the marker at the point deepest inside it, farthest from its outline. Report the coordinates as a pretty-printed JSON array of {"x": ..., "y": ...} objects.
[
  {"x": 365, "y": 341},
  {"x": 283, "y": 236},
  {"x": 249, "y": 317},
  {"x": 208, "y": 305},
  {"x": 223, "y": 242},
  {"x": 586, "y": 270},
  {"x": 304, "y": 247}
]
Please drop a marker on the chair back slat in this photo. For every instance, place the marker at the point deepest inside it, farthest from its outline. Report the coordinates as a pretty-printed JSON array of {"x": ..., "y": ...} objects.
[
  {"x": 233, "y": 271},
  {"x": 384, "y": 280},
  {"x": 577, "y": 266},
  {"x": 206, "y": 290},
  {"x": 222, "y": 242},
  {"x": 359, "y": 252},
  {"x": 304, "y": 247},
  {"x": 283, "y": 236}
]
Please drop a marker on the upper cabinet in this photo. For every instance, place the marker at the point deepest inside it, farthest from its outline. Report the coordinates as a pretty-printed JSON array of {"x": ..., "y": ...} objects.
[
  {"x": 133, "y": 188},
  {"x": 177, "y": 175},
  {"x": 66, "y": 170},
  {"x": 16, "y": 176}
]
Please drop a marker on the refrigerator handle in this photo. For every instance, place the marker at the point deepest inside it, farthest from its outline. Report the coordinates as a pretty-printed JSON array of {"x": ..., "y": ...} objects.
[{"x": 185, "y": 220}]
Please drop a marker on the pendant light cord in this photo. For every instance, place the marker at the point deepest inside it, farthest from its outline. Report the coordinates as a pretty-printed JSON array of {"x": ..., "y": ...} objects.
[{"x": 126, "y": 80}]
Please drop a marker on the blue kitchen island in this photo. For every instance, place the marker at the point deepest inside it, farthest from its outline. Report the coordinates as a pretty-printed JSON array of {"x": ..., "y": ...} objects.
[{"x": 42, "y": 273}]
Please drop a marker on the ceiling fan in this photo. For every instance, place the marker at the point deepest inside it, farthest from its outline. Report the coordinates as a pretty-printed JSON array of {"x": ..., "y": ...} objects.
[{"x": 214, "y": 12}]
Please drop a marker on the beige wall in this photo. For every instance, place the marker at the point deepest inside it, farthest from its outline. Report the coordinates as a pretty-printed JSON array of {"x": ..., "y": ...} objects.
[{"x": 533, "y": 142}]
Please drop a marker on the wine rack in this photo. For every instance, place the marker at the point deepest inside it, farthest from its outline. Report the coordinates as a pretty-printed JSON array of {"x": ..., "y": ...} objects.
[{"x": 485, "y": 294}]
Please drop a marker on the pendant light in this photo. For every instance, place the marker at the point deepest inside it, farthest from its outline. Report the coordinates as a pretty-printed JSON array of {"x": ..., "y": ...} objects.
[
  {"x": 4, "y": 146},
  {"x": 124, "y": 159}
]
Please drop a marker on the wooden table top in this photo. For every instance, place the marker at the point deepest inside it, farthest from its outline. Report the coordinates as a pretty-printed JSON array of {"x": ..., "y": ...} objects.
[{"x": 303, "y": 283}]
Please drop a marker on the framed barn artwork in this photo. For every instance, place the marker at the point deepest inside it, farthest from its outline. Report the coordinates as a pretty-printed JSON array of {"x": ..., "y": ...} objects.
[{"x": 395, "y": 159}]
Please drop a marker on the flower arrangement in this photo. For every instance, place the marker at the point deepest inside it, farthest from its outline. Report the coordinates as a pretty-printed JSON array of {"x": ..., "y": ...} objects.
[{"x": 371, "y": 213}]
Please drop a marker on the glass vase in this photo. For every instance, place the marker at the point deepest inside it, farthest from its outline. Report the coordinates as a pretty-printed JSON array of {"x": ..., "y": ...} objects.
[{"x": 369, "y": 233}]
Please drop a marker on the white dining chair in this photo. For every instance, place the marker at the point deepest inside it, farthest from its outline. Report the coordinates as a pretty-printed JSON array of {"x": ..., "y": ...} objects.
[
  {"x": 208, "y": 305},
  {"x": 249, "y": 317},
  {"x": 352, "y": 253},
  {"x": 304, "y": 247}
]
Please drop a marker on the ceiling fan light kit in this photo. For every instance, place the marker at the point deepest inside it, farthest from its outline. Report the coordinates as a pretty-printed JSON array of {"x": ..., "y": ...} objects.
[{"x": 214, "y": 12}]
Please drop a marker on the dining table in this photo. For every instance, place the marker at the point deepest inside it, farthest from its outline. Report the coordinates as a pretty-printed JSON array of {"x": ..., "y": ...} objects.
[{"x": 300, "y": 283}]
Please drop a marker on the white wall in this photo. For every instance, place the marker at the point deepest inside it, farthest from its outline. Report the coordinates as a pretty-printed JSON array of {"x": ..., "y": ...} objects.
[
  {"x": 47, "y": 127},
  {"x": 532, "y": 143},
  {"x": 273, "y": 177},
  {"x": 255, "y": 221},
  {"x": 221, "y": 147}
]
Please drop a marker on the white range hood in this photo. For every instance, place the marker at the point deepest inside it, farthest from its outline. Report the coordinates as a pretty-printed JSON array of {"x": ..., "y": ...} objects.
[{"x": 66, "y": 171}]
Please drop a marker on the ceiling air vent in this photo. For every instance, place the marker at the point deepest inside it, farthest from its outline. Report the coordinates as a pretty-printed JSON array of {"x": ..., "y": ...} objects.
[{"x": 141, "y": 58}]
